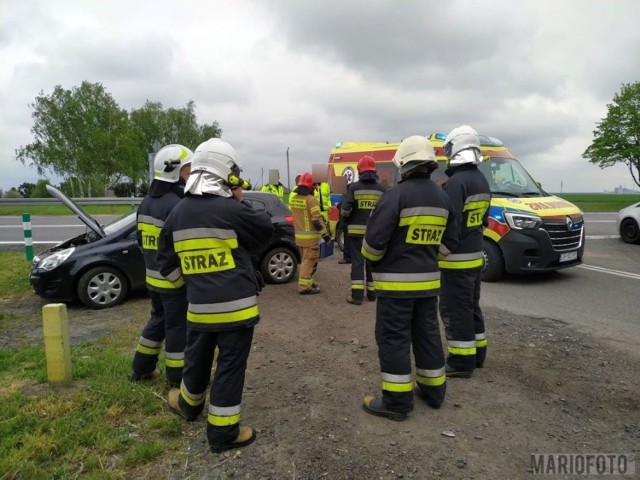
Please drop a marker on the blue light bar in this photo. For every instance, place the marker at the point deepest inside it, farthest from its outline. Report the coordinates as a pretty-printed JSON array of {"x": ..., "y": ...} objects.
[
  {"x": 441, "y": 136},
  {"x": 338, "y": 145}
]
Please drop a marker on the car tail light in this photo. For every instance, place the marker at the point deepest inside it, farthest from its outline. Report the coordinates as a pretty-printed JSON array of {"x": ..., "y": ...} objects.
[{"x": 289, "y": 219}]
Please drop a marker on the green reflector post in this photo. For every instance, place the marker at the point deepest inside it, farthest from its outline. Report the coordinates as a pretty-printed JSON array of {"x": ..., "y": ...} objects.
[{"x": 28, "y": 239}]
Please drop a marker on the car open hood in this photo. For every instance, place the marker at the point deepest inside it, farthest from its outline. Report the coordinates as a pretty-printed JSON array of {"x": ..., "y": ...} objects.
[{"x": 82, "y": 215}]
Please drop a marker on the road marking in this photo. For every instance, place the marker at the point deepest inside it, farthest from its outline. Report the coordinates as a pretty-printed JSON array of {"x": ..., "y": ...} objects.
[
  {"x": 619, "y": 273},
  {"x": 44, "y": 242},
  {"x": 44, "y": 226},
  {"x": 601, "y": 237}
]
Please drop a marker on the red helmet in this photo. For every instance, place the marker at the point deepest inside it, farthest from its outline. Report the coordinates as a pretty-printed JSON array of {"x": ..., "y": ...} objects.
[
  {"x": 366, "y": 164},
  {"x": 306, "y": 180}
]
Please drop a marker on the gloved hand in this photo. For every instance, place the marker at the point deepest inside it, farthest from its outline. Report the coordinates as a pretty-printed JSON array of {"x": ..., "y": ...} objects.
[{"x": 327, "y": 239}]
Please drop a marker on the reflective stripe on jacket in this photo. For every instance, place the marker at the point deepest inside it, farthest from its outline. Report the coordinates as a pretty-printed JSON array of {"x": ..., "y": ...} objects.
[
  {"x": 150, "y": 218},
  {"x": 211, "y": 239},
  {"x": 361, "y": 198},
  {"x": 305, "y": 211},
  {"x": 403, "y": 235},
  {"x": 470, "y": 196}
]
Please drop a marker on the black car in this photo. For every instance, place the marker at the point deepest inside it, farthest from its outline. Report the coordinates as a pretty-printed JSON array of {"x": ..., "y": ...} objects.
[{"x": 101, "y": 266}]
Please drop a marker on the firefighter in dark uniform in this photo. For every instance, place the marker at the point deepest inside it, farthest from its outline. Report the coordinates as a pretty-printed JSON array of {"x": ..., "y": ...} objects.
[
  {"x": 168, "y": 320},
  {"x": 460, "y": 311},
  {"x": 210, "y": 236},
  {"x": 361, "y": 198},
  {"x": 403, "y": 235}
]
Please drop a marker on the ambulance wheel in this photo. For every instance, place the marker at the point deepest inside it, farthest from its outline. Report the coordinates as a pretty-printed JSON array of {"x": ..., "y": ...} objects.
[
  {"x": 340, "y": 239},
  {"x": 279, "y": 265},
  {"x": 629, "y": 232},
  {"x": 102, "y": 287},
  {"x": 493, "y": 268}
]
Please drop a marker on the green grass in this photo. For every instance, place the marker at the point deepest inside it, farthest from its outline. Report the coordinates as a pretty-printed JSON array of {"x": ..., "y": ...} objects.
[
  {"x": 14, "y": 275},
  {"x": 101, "y": 427},
  {"x": 599, "y": 202},
  {"x": 62, "y": 210}
]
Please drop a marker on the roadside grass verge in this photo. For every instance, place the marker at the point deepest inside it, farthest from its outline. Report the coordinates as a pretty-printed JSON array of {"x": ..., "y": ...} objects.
[
  {"x": 14, "y": 276},
  {"x": 62, "y": 210},
  {"x": 101, "y": 427},
  {"x": 599, "y": 202}
]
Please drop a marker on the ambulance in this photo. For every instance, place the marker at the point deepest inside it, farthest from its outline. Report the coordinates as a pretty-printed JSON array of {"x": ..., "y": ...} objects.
[{"x": 529, "y": 230}]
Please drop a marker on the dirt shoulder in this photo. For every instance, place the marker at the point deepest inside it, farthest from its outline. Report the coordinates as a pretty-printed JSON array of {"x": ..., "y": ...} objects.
[{"x": 546, "y": 388}]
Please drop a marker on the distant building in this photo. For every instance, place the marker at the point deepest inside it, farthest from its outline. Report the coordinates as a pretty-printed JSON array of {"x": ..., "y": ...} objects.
[{"x": 620, "y": 190}]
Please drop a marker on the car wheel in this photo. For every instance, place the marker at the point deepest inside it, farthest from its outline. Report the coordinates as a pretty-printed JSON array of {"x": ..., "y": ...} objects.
[
  {"x": 102, "y": 287},
  {"x": 629, "y": 232},
  {"x": 279, "y": 265},
  {"x": 493, "y": 269},
  {"x": 340, "y": 239}
]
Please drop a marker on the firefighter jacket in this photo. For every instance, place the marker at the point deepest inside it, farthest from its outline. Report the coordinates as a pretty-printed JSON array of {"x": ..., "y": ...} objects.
[
  {"x": 276, "y": 189},
  {"x": 403, "y": 235},
  {"x": 211, "y": 239},
  {"x": 151, "y": 215},
  {"x": 361, "y": 198},
  {"x": 323, "y": 195},
  {"x": 308, "y": 223},
  {"x": 470, "y": 196}
]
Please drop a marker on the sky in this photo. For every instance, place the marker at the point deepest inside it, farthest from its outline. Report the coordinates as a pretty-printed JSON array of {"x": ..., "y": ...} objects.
[{"x": 304, "y": 75}]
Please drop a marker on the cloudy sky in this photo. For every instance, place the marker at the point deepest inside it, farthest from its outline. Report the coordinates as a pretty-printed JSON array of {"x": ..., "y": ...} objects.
[{"x": 307, "y": 74}]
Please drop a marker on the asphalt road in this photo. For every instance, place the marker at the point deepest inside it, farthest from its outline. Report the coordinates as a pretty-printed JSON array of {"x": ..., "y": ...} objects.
[{"x": 602, "y": 296}]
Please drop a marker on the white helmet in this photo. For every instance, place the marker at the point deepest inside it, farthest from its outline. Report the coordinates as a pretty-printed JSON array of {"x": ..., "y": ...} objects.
[
  {"x": 168, "y": 162},
  {"x": 461, "y": 138},
  {"x": 218, "y": 157},
  {"x": 413, "y": 152}
]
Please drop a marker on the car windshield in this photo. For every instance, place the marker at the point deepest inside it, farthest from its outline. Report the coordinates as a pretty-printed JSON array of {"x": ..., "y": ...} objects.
[
  {"x": 508, "y": 178},
  {"x": 120, "y": 223}
]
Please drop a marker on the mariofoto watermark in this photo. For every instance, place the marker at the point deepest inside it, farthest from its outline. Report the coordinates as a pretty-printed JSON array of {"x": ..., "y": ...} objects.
[{"x": 583, "y": 464}]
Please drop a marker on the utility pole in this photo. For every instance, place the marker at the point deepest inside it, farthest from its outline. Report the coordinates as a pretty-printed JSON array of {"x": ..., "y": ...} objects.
[{"x": 288, "y": 174}]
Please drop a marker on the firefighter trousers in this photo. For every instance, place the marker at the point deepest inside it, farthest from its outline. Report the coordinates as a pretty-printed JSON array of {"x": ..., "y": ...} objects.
[
  {"x": 403, "y": 323},
  {"x": 359, "y": 269},
  {"x": 462, "y": 317},
  {"x": 225, "y": 394},
  {"x": 168, "y": 323},
  {"x": 309, "y": 256}
]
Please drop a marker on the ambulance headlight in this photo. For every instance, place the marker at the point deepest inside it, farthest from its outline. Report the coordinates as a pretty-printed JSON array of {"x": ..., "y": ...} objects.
[{"x": 523, "y": 221}]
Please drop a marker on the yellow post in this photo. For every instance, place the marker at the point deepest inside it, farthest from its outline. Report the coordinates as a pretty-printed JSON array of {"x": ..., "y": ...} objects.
[{"x": 56, "y": 343}]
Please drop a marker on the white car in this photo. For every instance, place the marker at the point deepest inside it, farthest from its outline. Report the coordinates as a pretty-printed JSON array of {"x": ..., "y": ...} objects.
[{"x": 628, "y": 221}]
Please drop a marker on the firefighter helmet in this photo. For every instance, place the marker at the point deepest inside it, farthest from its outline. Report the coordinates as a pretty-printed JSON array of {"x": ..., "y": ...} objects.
[
  {"x": 413, "y": 152},
  {"x": 168, "y": 162},
  {"x": 366, "y": 164},
  {"x": 459, "y": 139},
  {"x": 218, "y": 157},
  {"x": 306, "y": 180}
]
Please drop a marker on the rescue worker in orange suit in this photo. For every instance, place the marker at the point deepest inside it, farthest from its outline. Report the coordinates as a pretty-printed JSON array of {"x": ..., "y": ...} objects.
[
  {"x": 461, "y": 266},
  {"x": 402, "y": 238},
  {"x": 361, "y": 198},
  {"x": 309, "y": 226},
  {"x": 211, "y": 236},
  {"x": 168, "y": 320}
]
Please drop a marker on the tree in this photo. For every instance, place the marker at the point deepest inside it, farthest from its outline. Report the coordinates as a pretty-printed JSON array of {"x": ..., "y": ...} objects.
[
  {"x": 617, "y": 136},
  {"x": 80, "y": 134},
  {"x": 26, "y": 188},
  {"x": 13, "y": 193},
  {"x": 174, "y": 125},
  {"x": 40, "y": 189}
]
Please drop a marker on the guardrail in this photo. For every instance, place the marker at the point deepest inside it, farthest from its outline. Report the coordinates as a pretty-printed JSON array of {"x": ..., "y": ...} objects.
[{"x": 79, "y": 201}]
